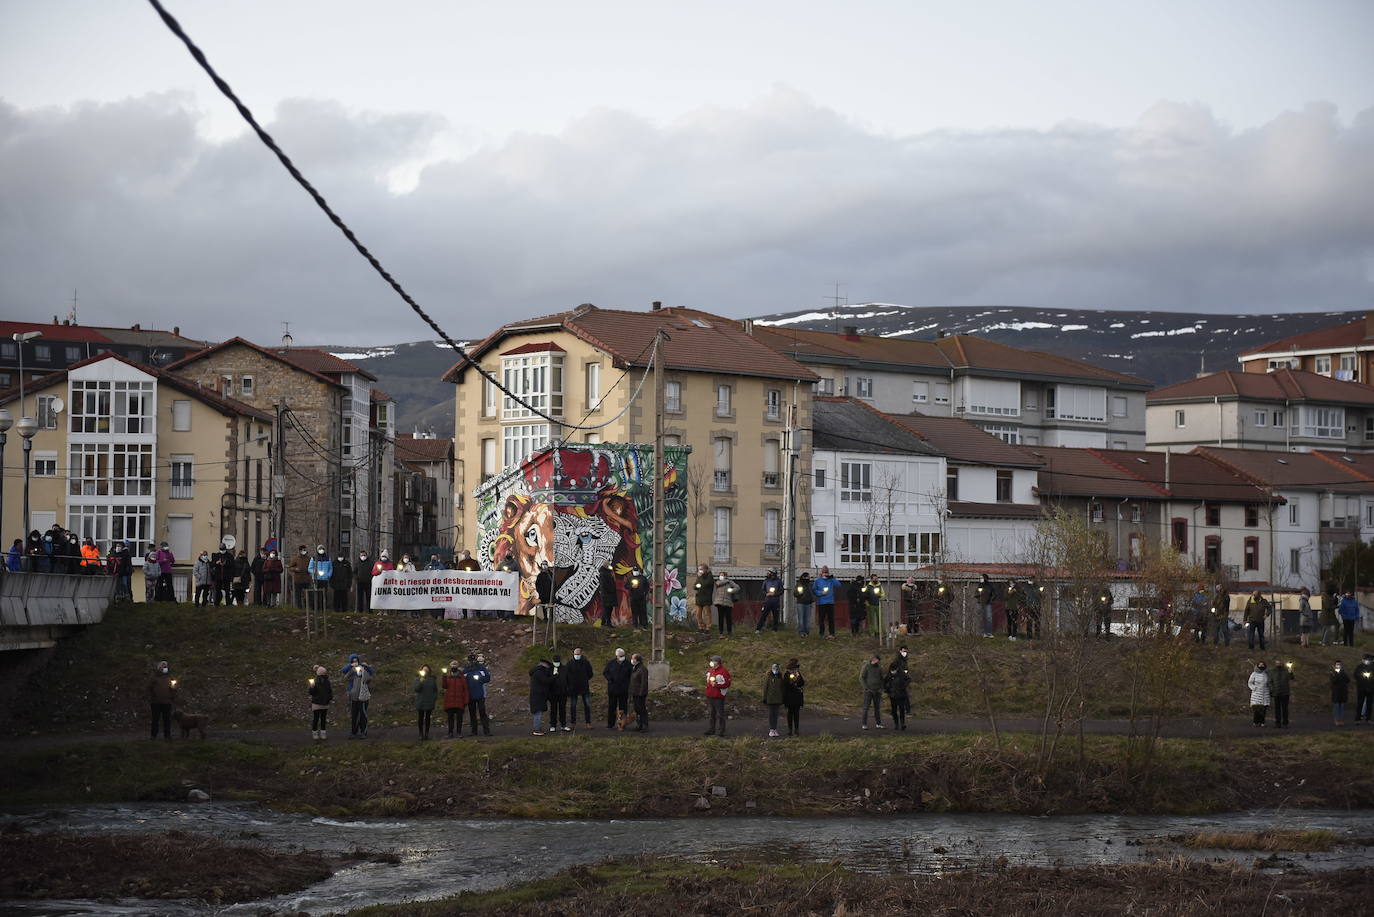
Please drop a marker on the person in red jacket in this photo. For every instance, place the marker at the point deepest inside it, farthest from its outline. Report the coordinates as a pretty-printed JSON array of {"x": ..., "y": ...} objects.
[
  {"x": 455, "y": 685},
  {"x": 717, "y": 686}
]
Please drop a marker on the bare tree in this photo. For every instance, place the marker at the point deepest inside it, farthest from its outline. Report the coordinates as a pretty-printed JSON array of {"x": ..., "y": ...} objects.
[{"x": 698, "y": 500}]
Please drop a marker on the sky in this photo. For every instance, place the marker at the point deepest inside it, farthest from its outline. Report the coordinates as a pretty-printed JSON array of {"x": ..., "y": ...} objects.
[{"x": 510, "y": 160}]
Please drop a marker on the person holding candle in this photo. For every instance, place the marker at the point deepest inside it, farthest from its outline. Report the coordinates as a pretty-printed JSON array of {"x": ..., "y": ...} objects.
[
  {"x": 1340, "y": 694},
  {"x": 478, "y": 678},
  {"x": 856, "y": 594},
  {"x": 703, "y": 591},
  {"x": 717, "y": 687},
  {"x": 1256, "y": 614},
  {"x": 1280, "y": 686},
  {"x": 162, "y": 694},
  {"x": 359, "y": 675},
  {"x": 723, "y": 596},
  {"x": 426, "y": 696},
  {"x": 773, "y": 688},
  {"x": 321, "y": 696},
  {"x": 639, "y": 586},
  {"x": 1259, "y": 693},
  {"x": 455, "y": 688},
  {"x": 772, "y": 603},
  {"x": 826, "y": 589},
  {"x": 806, "y": 598},
  {"x": 793, "y": 695},
  {"x": 1364, "y": 690}
]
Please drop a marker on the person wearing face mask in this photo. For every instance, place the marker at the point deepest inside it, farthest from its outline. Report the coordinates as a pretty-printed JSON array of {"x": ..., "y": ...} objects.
[
  {"x": 902, "y": 660},
  {"x": 638, "y": 590},
  {"x": 1364, "y": 690},
  {"x": 162, "y": 694},
  {"x": 362, "y": 583},
  {"x": 272, "y": 570},
  {"x": 579, "y": 676},
  {"x": 256, "y": 567},
  {"x": 896, "y": 684},
  {"x": 607, "y": 592},
  {"x": 299, "y": 568},
  {"x": 468, "y": 563},
  {"x": 617, "y": 675},
  {"x": 717, "y": 687},
  {"x": 703, "y": 595},
  {"x": 341, "y": 582},
  {"x": 321, "y": 696},
  {"x": 773, "y": 688},
  {"x": 772, "y": 601},
  {"x": 1340, "y": 694},
  {"x": 793, "y": 695},
  {"x": 805, "y": 600},
  {"x": 455, "y": 688},
  {"x": 224, "y": 576},
  {"x": 321, "y": 570},
  {"x": 406, "y": 565},
  {"x": 202, "y": 574},
  {"x": 478, "y": 678},
  {"x": 243, "y": 575},
  {"x": 826, "y": 589},
  {"x": 639, "y": 693},
  {"x": 150, "y": 572},
  {"x": 723, "y": 595},
  {"x": 1259, "y": 693},
  {"x": 359, "y": 675}
]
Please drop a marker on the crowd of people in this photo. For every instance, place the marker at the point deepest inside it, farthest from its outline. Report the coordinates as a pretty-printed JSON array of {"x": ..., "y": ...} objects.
[{"x": 1271, "y": 688}]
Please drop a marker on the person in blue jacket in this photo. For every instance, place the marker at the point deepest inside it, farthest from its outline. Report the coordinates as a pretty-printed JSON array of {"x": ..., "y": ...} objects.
[
  {"x": 772, "y": 600},
  {"x": 320, "y": 569},
  {"x": 1349, "y": 610},
  {"x": 825, "y": 587},
  {"x": 14, "y": 557},
  {"x": 478, "y": 677},
  {"x": 359, "y": 675}
]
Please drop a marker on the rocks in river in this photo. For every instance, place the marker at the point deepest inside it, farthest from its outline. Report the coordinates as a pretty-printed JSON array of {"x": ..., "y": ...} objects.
[
  {"x": 702, "y": 803},
  {"x": 719, "y": 791},
  {"x": 197, "y": 795}
]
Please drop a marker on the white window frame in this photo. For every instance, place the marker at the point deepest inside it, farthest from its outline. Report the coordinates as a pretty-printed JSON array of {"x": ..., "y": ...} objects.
[
  {"x": 1295, "y": 513},
  {"x": 1322, "y": 366},
  {"x": 489, "y": 468},
  {"x": 1120, "y": 406},
  {"x": 591, "y": 378},
  {"x": 772, "y": 525},
  {"x": 1082, "y": 403},
  {"x": 489, "y": 397},
  {"x": 721, "y": 449},
  {"x": 181, "y": 415},
  {"x": 247, "y": 387},
  {"x": 672, "y": 397},
  {"x": 725, "y": 400},
  {"x": 920, "y": 392},
  {"x": 1261, "y": 418},
  {"x": 44, "y": 463},
  {"x": 1180, "y": 419},
  {"x": 720, "y": 534},
  {"x": 1007, "y": 434},
  {"x": 772, "y": 463},
  {"x": 942, "y": 393},
  {"x": 537, "y": 379},
  {"x": 992, "y": 397},
  {"x": 772, "y": 404},
  {"x": 181, "y": 477},
  {"x": 44, "y": 413},
  {"x": 856, "y": 482},
  {"x": 520, "y": 440}
]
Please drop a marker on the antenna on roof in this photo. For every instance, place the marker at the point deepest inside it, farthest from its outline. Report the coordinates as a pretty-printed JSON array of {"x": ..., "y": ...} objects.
[
  {"x": 286, "y": 339},
  {"x": 835, "y": 303},
  {"x": 71, "y": 316}
]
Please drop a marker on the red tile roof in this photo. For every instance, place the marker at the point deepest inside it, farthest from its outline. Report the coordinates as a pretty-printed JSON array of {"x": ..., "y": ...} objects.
[
  {"x": 410, "y": 448},
  {"x": 1296, "y": 470},
  {"x": 277, "y": 355},
  {"x": 963, "y": 508},
  {"x": 377, "y": 396},
  {"x": 545, "y": 347},
  {"x": 1333, "y": 338},
  {"x": 54, "y": 332},
  {"x": 322, "y": 361},
  {"x": 1186, "y": 476},
  {"x": 1073, "y": 472},
  {"x": 961, "y": 441},
  {"x": 697, "y": 341},
  {"x": 1280, "y": 385},
  {"x": 1360, "y": 464}
]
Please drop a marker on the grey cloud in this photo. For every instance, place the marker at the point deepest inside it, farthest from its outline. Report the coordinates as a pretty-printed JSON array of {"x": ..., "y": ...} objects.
[{"x": 755, "y": 209}]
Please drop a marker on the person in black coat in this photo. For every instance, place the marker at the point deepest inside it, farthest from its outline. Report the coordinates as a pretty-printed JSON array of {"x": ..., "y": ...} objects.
[
  {"x": 558, "y": 696},
  {"x": 577, "y": 673},
  {"x": 543, "y": 588},
  {"x": 223, "y": 564},
  {"x": 341, "y": 581},
  {"x": 541, "y": 685},
  {"x": 639, "y": 586},
  {"x": 793, "y": 686},
  {"x": 256, "y": 568},
  {"x": 897, "y": 685},
  {"x": 1340, "y": 694},
  {"x": 607, "y": 590},
  {"x": 856, "y": 594},
  {"x": 321, "y": 696},
  {"x": 617, "y": 675}
]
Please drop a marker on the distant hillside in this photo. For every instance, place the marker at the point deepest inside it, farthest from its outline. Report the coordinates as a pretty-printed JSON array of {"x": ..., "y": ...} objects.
[{"x": 1164, "y": 347}]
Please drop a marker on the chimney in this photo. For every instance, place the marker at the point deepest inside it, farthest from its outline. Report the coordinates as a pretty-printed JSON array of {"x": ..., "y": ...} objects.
[
  {"x": 176, "y": 329},
  {"x": 656, "y": 305},
  {"x": 944, "y": 333},
  {"x": 749, "y": 327},
  {"x": 1369, "y": 324},
  {"x": 137, "y": 326},
  {"x": 851, "y": 332}
]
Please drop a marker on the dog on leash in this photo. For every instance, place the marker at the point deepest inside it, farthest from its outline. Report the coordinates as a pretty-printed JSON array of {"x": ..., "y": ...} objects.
[{"x": 189, "y": 721}]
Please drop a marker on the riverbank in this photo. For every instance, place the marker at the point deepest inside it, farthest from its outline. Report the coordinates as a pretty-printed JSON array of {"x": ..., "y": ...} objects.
[
  {"x": 770, "y": 884},
  {"x": 575, "y": 777}
]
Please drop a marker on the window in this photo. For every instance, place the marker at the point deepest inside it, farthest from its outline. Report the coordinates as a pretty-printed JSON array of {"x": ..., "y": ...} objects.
[
  {"x": 109, "y": 523},
  {"x": 856, "y": 482},
  {"x": 538, "y": 381},
  {"x": 818, "y": 477},
  {"x": 672, "y": 397},
  {"x": 1178, "y": 531},
  {"x": 1032, "y": 398},
  {"x": 1369, "y": 428},
  {"x": 672, "y": 439},
  {"x": 521, "y": 439},
  {"x": 859, "y": 386},
  {"x": 226, "y": 386},
  {"x": 772, "y": 523},
  {"x": 104, "y": 469},
  {"x": 47, "y": 417},
  {"x": 951, "y": 484},
  {"x": 1118, "y": 444},
  {"x": 1137, "y": 516},
  {"x": 45, "y": 464},
  {"x": 1252, "y": 517},
  {"x": 1180, "y": 420},
  {"x": 1135, "y": 548},
  {"x": 489, "y": 392},
  {"x": 1294, "y": 514},
  {"x": 1322, "y": 366},
  {"x": 720, "y": 544},
  {"x": 111, "y": 407},
  {"x": 1278, "y": 418},
  {"x": 1094, "y": 512},
  {"x": 1118, "y": 405},
  {"x": 488, "y": 458},
  {"x": 724, "y": 406},
  {"x": 1285, "y": 363},
  {"x": 257, "y": 483},
  {"x": 42, "y": 353},
  {"x": 348, "y": 434},
  {"x": 1212, "y": 515},
  {"x": 1211, "y": 554},
  {"x": 71, "y": 353},
  {"x": 1003, "y": 486},
  {"x": 384, "y": 413},
  {"x": 1261, "y": 418},
  {"x": 772, "y": 456},
  {"x": 1294, "y": 560},
  {"x": 1080, "y": 402},
  {"x": 942, "y": 393},
  {"x": 1252, "y": 553},
  {"x": 246, "y": 387},
  {"x": 1006, "y": 434},
  {"x": 1349, "y": 370},
  {"x": 772, "y": 404},
  {"x": 855, "y": 548},
  {"x": 594, "y": 438},
  {"x": 920, "y": 392},
  {"x": 182, "y": 481},
  {"x": 825, "y": 386},
  {"x": 923, "y": 547},
  {"x": 181, "y": 415},
  {"x": 593, "y": 383},
  {"x": 999, "y": 397},
  {"x": 818, "y": 541},
  {"x": 1369, "y": 515},
  {"x": 6, "y": 380},
  {"x": 9, "y": 351},
  {"x": 1322, "y": 423},
  {"x": 721, "y": 450}
]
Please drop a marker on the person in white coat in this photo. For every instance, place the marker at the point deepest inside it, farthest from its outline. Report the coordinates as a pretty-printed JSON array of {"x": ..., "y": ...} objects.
[{"x": 1259, "y": 693}]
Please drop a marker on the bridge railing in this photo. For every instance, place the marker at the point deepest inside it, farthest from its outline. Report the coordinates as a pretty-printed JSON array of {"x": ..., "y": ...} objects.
[{"x": 54, "y": 599}]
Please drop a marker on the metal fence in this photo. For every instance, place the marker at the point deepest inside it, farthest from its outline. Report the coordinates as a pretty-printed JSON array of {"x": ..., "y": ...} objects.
[{"x": 53, "y": 599}]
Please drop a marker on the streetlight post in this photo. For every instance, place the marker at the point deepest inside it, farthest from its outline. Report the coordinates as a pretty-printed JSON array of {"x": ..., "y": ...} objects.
[
  {"x": 21, "y": 338},
  {"x": 6, "y": 421},
  {"x": 26, "y": 427}
]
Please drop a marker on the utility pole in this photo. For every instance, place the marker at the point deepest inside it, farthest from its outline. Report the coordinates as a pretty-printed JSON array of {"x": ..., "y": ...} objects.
[
  {"x": 658, "y": 665},
  {"x": 279, "y": 483},
  {"x": 789, "y": 512}
]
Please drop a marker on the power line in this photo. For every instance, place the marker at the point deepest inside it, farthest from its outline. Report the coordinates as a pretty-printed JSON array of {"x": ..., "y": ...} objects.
[{"x": 170, "y": 21}]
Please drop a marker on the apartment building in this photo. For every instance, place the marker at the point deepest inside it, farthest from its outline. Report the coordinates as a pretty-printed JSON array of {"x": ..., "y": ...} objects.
[
  {"x": 336, "y": 473},
  {"x": 1023, "y": 397},
  {"x": 727, "y": 395},
  {"x": 1343, "y": 352},
  {"x": 125, "y": 451},
  {"x": 64, "y": 343},
  {"x": 427, "y": 492},
  {"x": 1127, "y": 510},
  {"x": 1286, "y": 410}
]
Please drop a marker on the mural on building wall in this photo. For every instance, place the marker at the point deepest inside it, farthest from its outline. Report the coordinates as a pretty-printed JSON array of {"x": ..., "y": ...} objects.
[{"x": 577, "y": 507}]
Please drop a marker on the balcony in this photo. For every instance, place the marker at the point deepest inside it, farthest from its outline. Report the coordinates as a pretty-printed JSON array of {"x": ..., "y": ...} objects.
[
  {"x": 721, "y": 482},
  {"x": 182, "y": 490},
  {"x": 771, "y": 479},
  {"x": 773, "y": 412},
  {"x": 720, "y": 552}
]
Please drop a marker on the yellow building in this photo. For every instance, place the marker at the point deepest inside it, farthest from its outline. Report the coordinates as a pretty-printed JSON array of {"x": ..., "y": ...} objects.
[
  {"x": 125, "y": 451},
  {"x": 727, "y": 395}
]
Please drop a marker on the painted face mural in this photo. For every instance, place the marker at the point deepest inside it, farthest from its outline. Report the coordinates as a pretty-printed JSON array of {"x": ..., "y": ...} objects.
[{"x": 579, "y": 508}]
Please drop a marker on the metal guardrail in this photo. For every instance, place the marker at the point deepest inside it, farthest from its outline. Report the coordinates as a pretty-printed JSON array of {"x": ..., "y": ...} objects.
[{"x": 54, "y": 599}]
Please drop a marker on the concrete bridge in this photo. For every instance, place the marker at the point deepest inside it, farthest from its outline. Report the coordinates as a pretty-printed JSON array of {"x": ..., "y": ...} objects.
[{"x": 37, "y": 609}]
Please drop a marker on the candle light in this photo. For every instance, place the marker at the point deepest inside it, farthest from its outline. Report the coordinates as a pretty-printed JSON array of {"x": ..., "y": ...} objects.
[
  {"x": 1289, "y": 666},
  {"x": 310, "y": 682},
  {"x": 824, "y": 590},
  {"x": 421, "y": 672},
  {"x": 771, "y": 590},
  {"x": 174, "y": 681}
]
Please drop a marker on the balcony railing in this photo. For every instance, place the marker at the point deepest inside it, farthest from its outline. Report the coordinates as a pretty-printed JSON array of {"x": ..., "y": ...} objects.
[
  {"x": 720, "y": 552},
  {"x": 721, "y": 482},
  {"x": 182, "y": 491},
  {"x": 770, "y": 479}
]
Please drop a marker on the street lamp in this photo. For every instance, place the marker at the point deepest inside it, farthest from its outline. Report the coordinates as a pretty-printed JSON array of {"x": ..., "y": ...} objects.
[
  {"x": 20, "y": 338},
  {"x": 26, "y": 427},
  {"x": 6, "y": 421}
]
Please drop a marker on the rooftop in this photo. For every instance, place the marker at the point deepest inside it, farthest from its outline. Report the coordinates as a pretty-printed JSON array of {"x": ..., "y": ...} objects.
[
  {"x": 961, "y": 441},
  {"x": 1296, "y": 470},
  {"x": 1280, "y": 385},
  {"x": 848, "y": 425},
  {"x": 1075, "y": 472},
  {"x": 413, "y": 449},
  {"x": 1186, "y": 476},
  {"x": 1337, "y": 336}
]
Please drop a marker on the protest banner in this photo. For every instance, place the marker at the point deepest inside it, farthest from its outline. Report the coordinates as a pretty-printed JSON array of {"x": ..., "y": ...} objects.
[{"x": 450, "y": 590}]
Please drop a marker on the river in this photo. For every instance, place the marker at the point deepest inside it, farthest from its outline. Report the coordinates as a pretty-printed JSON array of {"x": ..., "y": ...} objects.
[{"x": 441, "y": 857}]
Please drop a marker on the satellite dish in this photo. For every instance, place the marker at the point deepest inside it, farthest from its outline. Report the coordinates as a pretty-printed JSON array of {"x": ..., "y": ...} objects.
[
  {"x": 57, "y": 405},
  {"x": 230, "y": 542}
]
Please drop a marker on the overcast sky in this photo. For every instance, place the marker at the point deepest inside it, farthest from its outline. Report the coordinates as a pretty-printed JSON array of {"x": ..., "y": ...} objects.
[{"x": 515, "y": 159}]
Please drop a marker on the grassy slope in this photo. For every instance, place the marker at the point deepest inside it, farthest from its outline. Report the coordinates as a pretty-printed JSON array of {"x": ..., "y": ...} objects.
[{"x": 586, "y": 777}]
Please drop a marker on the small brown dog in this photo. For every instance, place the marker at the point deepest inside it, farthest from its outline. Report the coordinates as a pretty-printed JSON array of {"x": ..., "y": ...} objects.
[{"x": 189, "y": 721}]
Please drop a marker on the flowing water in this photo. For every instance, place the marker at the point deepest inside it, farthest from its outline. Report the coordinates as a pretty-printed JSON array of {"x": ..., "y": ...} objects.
[{"x": 441, "y": 857}]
